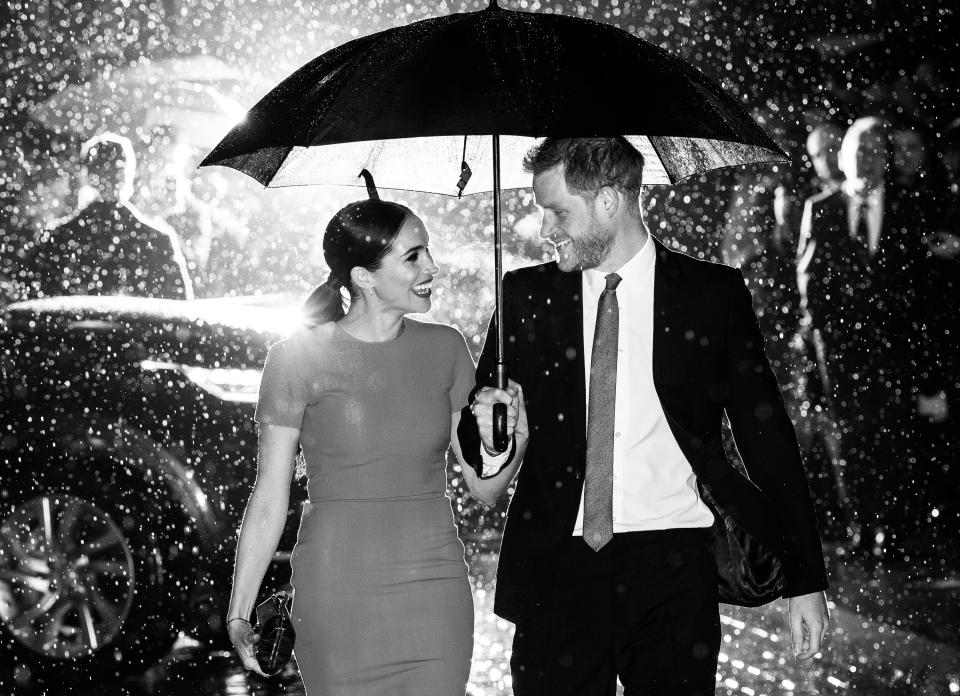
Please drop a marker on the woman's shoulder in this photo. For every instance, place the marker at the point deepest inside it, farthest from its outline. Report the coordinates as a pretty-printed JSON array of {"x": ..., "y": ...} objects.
[{"x": 304, "y": 340}]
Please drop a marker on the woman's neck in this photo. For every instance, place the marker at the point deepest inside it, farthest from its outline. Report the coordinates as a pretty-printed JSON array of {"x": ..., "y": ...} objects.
[{"x": 367, "y": 324}]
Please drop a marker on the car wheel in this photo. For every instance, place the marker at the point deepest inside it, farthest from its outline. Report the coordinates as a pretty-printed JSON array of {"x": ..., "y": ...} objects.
[{"x": 86, "y": 583}]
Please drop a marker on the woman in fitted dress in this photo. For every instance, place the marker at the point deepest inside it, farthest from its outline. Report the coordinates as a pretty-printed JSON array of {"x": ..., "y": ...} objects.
[{"x": 382, "y": 603}]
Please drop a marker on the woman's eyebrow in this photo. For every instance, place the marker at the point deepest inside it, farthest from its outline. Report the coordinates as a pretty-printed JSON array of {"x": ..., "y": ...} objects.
[{"x": 419, "y": 247}]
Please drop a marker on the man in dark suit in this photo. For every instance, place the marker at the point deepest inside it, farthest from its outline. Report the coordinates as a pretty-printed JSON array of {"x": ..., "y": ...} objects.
[
  {"x": 109, "y": 247},
  {"x": 861, "y": 258},
  {"x": 860, "y": 265},
  {"x": 607, "y": 565}
]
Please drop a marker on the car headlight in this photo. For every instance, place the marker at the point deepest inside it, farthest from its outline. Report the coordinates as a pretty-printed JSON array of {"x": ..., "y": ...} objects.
[{"x": 227, "y": 383}]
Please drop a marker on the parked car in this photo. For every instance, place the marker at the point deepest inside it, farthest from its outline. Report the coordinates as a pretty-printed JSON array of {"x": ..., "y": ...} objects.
[{"x": 127, "y": 453}]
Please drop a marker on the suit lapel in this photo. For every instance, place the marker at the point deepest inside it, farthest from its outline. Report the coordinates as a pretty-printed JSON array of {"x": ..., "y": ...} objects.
[
  {"x": 564, "y": 302},
  {"x": 669, "y": 292}
]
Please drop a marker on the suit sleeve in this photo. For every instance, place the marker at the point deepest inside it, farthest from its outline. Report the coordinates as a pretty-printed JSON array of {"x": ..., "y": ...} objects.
[{"x": 767, "y": 444}]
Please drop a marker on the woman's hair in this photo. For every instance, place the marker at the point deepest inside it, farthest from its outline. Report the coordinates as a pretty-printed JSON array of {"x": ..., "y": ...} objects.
[{"x": 360, "y": 234}]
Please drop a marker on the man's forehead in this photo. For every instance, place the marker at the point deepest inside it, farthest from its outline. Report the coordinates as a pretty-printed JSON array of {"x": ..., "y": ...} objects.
[{"x": 549, "y": 184}]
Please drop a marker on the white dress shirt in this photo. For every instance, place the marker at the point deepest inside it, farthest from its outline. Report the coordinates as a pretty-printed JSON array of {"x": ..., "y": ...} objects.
[
  {"x": 654, "y": 486},
  {"x": 874, "y": 203}
]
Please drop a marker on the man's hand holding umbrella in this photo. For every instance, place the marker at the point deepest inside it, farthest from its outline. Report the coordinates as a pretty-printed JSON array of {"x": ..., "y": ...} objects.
[{"x": 516, "y": 428}]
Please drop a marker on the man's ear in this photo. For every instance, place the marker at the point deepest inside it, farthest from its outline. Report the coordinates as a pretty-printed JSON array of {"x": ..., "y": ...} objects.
[{"x": 607, "y": 201}]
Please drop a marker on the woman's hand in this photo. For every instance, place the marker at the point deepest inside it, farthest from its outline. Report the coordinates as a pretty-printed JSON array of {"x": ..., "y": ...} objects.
[{"x": 244, "y": 640}]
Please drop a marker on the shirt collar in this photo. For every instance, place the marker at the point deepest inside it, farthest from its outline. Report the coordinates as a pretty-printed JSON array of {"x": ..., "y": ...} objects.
[
  {"x": 638, "y": 268},
  {"x": 873, "y": 199}
]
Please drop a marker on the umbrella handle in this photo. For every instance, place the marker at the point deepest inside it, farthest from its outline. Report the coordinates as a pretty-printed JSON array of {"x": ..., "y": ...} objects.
[{"x": 500, "y": 439}]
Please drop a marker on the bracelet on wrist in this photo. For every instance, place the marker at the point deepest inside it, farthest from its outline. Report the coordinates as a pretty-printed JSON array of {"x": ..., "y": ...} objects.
[
  {"x": 238, "y": 618},
  {"x": 496, "y": 454}
]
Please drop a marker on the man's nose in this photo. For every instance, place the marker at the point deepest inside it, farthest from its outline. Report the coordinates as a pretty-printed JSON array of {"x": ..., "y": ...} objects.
[{"x": 546, "y": 229}]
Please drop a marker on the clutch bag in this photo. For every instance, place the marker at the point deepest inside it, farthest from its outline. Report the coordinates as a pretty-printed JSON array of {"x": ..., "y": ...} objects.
[{"x": 275, "y": 647}]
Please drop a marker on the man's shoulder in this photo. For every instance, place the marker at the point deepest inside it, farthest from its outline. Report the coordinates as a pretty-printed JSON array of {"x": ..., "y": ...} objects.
[
  {"x": 79, "y": 227},
  {"x": 151, "y": 226},
  {"x": 705, "y": 270},
  {"x": 536, "y": 273}
]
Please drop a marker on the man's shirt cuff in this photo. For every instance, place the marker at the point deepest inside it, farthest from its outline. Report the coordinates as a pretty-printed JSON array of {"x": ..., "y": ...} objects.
[{"x": 494, "y": 463}]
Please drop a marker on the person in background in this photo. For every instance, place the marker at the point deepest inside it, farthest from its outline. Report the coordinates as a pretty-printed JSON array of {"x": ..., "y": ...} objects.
[
  {"x": 804, "y": 392},
  {"x": 860, "y": 259},
  {"x": 939, "y": 172},
  {"x": 823, "y": 146},
  {"x": 34, "y": 194},
  {"x": 109, "y": 247}
]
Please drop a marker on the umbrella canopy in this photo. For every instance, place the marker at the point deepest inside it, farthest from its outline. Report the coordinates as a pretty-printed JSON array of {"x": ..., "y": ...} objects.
[
  {"x": 373, "y": 101},
  {"x": 420, "y": 105}
]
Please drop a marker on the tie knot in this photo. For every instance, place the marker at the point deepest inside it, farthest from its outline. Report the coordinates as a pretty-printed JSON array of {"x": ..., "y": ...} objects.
[{"x": 613, "y": 280}]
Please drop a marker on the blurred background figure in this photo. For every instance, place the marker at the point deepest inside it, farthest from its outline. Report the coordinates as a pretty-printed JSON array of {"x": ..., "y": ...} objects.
[
  {"x": 861, "y": 257},
  {"x": 823, "y": 146},
  {"x": 214, "y": 240},
  {"x": 109, "y": 247},
  {"x": 940, "y": 425},
  {"x": 757, "y": 239},
  {"x": 34, "y": 194},
  {"x": 804, "y": 392}
]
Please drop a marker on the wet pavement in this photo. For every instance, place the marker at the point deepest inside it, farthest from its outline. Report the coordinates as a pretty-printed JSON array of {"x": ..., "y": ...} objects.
[{"x": 894, "y": 633}]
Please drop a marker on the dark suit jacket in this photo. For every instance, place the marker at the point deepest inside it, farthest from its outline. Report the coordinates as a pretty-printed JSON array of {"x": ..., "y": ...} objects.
[
  {"x": 109, "y": 248},
  {"x": 708, "y": 358},
  {"x": 866, "y": 308}
]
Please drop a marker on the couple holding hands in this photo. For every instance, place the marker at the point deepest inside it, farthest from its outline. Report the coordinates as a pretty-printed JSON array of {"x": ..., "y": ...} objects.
[{"x": 629, "y": 355}]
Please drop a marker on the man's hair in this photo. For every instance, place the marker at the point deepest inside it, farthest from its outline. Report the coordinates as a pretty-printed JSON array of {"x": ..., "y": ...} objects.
[
  {"x": 589, "y": 164},
  {"x": 851, "y": 140},
  {"x": 110, "y": 158}
]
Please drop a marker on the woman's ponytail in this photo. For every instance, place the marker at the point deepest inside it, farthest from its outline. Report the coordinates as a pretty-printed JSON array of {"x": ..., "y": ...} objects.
[{"x": 324, "y": 304}]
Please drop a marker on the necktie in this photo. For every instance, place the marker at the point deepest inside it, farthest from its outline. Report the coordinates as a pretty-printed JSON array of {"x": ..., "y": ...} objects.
[
  {"x": 863, "y": 228},
  {"x": 598, "y": 482}
]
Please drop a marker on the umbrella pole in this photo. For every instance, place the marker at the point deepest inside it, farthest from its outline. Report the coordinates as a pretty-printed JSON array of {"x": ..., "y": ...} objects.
[{"x": 500, "y": 440}]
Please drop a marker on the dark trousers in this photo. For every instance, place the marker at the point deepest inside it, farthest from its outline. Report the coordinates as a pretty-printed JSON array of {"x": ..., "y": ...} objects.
[{"x": 643, "y": 608}]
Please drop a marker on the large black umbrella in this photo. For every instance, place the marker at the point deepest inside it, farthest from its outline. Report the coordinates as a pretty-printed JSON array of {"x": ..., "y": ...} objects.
[{"x": 419, "y": 104}]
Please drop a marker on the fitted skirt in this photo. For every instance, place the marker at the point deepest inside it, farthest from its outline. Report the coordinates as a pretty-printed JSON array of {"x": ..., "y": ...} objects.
[{"x": 382, "y": 603}]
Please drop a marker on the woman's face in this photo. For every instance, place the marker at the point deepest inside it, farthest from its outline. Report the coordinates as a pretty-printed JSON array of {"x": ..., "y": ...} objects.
[{"x": 404, "y": 281}]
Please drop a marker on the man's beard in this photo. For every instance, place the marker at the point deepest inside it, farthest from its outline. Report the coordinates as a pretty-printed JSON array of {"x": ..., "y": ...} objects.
[{"x": 591, "y": 248}]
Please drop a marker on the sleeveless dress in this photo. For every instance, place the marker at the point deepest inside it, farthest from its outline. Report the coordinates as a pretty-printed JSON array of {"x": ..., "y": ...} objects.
[{"x": 382, "y": 603}]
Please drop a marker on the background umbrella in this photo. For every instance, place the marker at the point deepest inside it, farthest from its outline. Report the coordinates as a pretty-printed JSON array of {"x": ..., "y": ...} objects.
[
  {"x": 189, "y": 94},
  {"x": 423, "y": 105}
]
